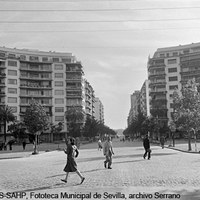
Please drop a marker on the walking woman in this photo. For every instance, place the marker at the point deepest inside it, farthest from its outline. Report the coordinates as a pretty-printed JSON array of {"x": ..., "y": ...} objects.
[{"x": 71, "y": 166}]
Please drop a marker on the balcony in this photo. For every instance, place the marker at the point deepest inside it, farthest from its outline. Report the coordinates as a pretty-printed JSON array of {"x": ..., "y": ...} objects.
[
  {"x": 2, "y": 85},
  {"x": 2, "y": 103},
  {"x": 36, "y": 95},
  {"x": 2, "y": 94},
  {"x": 35, "y": 78},
  {"x": 35, "y": 86},
  {"x": 74, "y": 88},
  {"x": 73, "y": 78},
  {"x": 74, "y": 95},
  {"x": 38, "y": 69},
  {"x": 157, "y": 74},
  {"x": 157, "y": 83},
  {"x": 2, "y": 75},
  {"x": 161, "y": 90}
]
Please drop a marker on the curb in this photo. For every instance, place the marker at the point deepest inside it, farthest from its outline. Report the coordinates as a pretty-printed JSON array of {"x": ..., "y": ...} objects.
[{"x": 194, "y": 152}]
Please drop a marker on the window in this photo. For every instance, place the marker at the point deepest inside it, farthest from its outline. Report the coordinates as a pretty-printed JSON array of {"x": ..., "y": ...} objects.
[
  {"x": 34, "y": 67},
  {"x": 186, "y": 51},
  {"x": 44, "y": 59},
  {"x": 173, "y": 78},
  {"x": 12, "y": 63},
  {"x": 59, "y": 109},
  {"x": 171, "y": 61},
  {"x": 58, "y": 75},
  {"x": 12, "y": 81},
  {"x": 22, "y": 57},
  {"x": 59, "y": 101},
  {"x": 175, "y": 54},
  {"x": 58, "y": 83},
  {"x": 23, "y": 100},
  {"x": 12, "y": 72},
  {"x": 55, "y": 59},
  {"x": 22, "y": 109},
  {"x": 171, "y": 70},
  {"x": 162, "y": 55},
  {"x": 59, "y": 118},
  {"x": 45, "y": 75},
  {"x": 66, "y": 60},
  {"x": 14, "y": 109},
  {"x": 59, "y": 92},
  {"x": 2, "y": 54},
  {"x": 58, "y": 67},
  {"x": 34, "y": 75},
  {"x": 11, "y": 55},
  {"x": 12, "y": 99},
  {"x": 173, "y": 87},
  {"x": 12, "y": 90},
  {"x": 34, "y": 58}
]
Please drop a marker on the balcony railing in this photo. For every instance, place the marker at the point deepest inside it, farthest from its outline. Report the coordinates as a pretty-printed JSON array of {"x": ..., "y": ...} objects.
[
  {"x": 35, "y": 78},
  {"x": 35, "y": 86}
]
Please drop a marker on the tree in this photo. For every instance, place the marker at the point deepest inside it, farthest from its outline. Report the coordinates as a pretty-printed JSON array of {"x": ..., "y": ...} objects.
[
  {"x": 187, "y": 109},
  {"x": 91, "y": 127},
  {"x": 55, "y": 130},
  {"x": 150, "y": 125},
  {"x": 36, "y": 120},
  {"x": 18, "y": 130},
  {"x": 6, "y": 116},
  {"x": 75, "y": 118}
]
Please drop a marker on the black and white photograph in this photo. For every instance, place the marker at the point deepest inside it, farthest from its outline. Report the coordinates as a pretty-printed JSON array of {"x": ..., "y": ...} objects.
[{"x": 100, "y": 99}]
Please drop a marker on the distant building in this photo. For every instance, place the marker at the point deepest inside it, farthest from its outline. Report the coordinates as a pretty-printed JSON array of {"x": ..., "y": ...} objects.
[
  {"x": 144, "y": 99},
  {"x": 133, "y": 112},
  {"x": 99, "y": 110}
]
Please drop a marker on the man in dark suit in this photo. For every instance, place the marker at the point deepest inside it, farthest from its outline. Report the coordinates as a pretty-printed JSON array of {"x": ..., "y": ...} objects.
[{"x": 146, "y": 145}]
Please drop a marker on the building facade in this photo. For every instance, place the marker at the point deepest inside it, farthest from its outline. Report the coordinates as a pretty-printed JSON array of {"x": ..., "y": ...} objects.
[
  {"x": 135, "y": 102},
  {"x": 99, "y": 110},
  {"x": 56, "y": 80},
  {"x": 169, "y": 69},
  {"x": 144, "y": 99}
]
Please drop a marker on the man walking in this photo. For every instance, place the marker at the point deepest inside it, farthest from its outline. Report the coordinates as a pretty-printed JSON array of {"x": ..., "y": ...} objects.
[
  {"x": 146, "y": 145},
  {"x": 108, "y": 151}
]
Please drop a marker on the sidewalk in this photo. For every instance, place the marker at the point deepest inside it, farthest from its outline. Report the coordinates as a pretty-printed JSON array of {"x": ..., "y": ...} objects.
[
  {"x": 18, "y": 153},
  {"x": 184, "y": 147}
]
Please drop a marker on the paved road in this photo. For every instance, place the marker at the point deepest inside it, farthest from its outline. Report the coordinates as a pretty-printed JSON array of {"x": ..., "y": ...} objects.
[{"x": 168, "y": 171}]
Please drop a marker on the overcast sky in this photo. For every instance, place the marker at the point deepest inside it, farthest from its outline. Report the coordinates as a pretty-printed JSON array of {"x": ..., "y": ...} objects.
[{"x": 113, "y": 45}]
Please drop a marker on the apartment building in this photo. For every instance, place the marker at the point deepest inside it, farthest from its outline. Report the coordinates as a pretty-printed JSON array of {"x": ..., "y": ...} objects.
[
  {"x": 89, "y": 99},
  {"x": 133, "y": 112},
  {"x": 99, "y": 110},
  {"x": 144, "y": 98},
  {"x": 56, "y": 80},
  {"x": 170, "y": 68}
]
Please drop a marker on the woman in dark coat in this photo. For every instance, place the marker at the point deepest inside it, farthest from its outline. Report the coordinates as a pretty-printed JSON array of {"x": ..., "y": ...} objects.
[{"x": 71, "y": 166}]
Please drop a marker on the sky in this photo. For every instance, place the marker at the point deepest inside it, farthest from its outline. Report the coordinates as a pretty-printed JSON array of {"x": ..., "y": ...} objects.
[{"x": 112, "y": 38}]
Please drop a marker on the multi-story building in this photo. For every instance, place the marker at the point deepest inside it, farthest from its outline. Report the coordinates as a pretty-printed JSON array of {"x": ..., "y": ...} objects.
[
  {"x": 89, "y": 99},
  {"x": 144, "y": 99},
  {"x": 169, "y": 69},
  {"x": 56, "y": 80},
  {"x": 133, "y": 112},
  {"x": 99, "y": 110}
]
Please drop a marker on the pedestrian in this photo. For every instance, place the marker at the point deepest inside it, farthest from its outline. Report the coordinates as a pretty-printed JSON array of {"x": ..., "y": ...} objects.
[
  {"x": 146, "y": 145},
  {"x": 24, "y": 144},
  {"x": 71, "y": 166},
  {"x": 108, "y": 152},
  {"x": 162, "y": 142},
  {"x": 99, "y": 145},
  {"x": 10, "y": 145}
]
